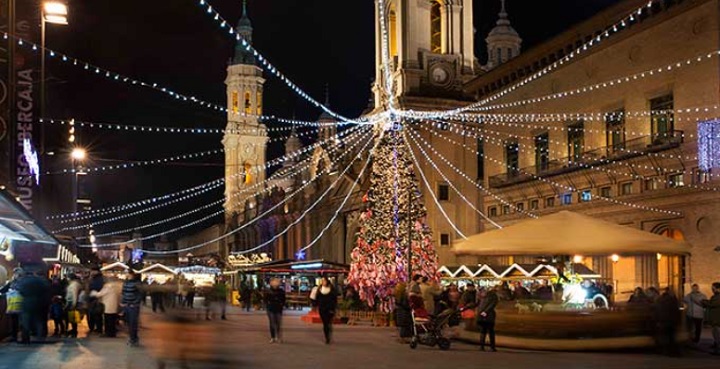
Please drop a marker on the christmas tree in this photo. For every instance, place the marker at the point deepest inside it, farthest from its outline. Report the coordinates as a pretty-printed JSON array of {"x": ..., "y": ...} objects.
[{"x": 393, "y": 204}]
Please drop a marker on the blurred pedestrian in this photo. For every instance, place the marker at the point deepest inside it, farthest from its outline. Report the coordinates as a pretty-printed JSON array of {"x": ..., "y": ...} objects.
[
  {"x": 109, "y": 296},
  {"x": 56, "y": 314},
  {"x": 486, "y": 318},
  {"x": 429, "y": 292},
  {"x": 246, "y": 296},
  {"x": 713, "y": 307},
  {"x": 403, "y": 317},
  {"x": 157, "y": 297},
  {"x": 694, "y": 312},
  {"x": 327, "y": 304},
  {"x": 14, "y": 302},
  {"x": 131, "y": 299},
  {"x": 95, "y": 309},
  {"x": 35, "y": 291},
  {"x": 667, "y": 318},
  {"x": 274, "y": 303},
  {"x": 72, "y": 297},
  {"x": 638, "y": 298}
]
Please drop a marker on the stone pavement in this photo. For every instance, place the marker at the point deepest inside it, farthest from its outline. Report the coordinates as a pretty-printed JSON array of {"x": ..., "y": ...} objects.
[{"x": 242, "y": 342}]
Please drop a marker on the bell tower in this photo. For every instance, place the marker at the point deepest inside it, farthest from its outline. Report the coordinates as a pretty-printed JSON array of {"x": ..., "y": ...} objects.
[
  {"x": 245, "y": 137},
  {"x": 430, "y": 46}
]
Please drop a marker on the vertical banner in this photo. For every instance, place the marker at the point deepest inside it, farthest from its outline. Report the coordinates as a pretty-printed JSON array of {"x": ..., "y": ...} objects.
[
  {"x": 6, "y": 176},
  {"x": 25, "y": 109}
]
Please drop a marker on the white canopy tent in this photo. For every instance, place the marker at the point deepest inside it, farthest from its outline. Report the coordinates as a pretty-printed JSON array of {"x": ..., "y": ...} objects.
[{"x": 568, "y": 233}]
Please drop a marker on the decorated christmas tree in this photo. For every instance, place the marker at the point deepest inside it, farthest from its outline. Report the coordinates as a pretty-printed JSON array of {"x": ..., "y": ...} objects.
[{"x": 393, "y": 205}]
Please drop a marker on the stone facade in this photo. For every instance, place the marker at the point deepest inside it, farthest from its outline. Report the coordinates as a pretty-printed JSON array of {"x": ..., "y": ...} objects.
[{"x": 628, "y": 166}]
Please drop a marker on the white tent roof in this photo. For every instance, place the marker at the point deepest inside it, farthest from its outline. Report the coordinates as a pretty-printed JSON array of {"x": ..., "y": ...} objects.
[
  {"x": 113, "y": 266},
  {"x": 162, "y": 268},
  {"x": 568, "y": 233}
]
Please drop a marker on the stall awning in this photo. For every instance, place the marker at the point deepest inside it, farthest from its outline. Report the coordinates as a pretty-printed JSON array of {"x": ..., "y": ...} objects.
[
  {"x": 159, "y": 268},
  {"x": 116, "y": 265},
  {"x": 568, "y": 233},
  {"x": 485, "y": 271},
  {"x": 17, "y": 224},
  {"x": 309, "y": 266}
]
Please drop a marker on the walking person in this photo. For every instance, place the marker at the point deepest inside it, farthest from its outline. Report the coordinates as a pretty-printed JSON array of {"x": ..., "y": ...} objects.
[
  {"x": 109, "y": 296},
  {"x": 14, "y": 303},
  {"x": 713, "y": 306},
  {"x": 327, "y": 304},
  {"x": 486, "y": 318},
  {"x": 95, "y": 308},
  {"x": 72, "y": 298},
  {"x": 694, "y": 312},
  {"x": 132, "y": 293},
  {"x": 667, "y": 318},
  {"x": 35, "y": 291},
  {"x": 274, "y": 303}
]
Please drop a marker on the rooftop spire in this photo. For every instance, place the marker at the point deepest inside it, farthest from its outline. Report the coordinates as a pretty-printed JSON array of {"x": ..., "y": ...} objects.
[
  {"x": 327, "y": 94},
  {"x": 245, "y": 30}
]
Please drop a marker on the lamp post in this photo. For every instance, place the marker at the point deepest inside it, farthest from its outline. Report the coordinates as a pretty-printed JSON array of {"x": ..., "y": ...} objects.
[
  {"x": 54, "y": 12},
  {"x": 77, "y": 156}
]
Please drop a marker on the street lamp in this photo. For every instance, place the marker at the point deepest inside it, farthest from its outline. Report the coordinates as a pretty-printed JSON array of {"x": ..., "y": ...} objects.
[
  {"x": 54, "y": 12},
  {"x": 77, "y": 155}
]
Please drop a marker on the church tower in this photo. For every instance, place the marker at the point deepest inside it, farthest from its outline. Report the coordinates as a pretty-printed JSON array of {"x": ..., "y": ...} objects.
[
  {"x": 503, "y": 42},
  {"x": 430, "y": 47},
  {"x": 245, "y": 137}
]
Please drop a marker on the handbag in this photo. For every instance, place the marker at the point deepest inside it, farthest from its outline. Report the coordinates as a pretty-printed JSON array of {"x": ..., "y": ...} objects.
[
  {"x": 14, "y": 302},
  {"x": 73, "y": 316}
]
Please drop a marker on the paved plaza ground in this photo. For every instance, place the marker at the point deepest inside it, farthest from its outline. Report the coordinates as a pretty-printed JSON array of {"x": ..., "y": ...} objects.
[{"x": 242, "y": 342}]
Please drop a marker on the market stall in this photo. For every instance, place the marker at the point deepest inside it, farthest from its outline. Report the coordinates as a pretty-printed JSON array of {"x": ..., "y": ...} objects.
[
  {"x": 201, "y": 276},
  {"x": 157, "y": 273},
  {"x": 571, "y": 241},
  {"x": 116, "y": 270}
]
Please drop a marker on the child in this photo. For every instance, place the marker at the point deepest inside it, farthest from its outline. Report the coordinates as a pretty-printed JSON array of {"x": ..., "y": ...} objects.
[{"x": 56, "y": 314}]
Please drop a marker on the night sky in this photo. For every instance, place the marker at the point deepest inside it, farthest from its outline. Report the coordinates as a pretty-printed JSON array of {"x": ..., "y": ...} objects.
[{"x": 176, "y": 44}]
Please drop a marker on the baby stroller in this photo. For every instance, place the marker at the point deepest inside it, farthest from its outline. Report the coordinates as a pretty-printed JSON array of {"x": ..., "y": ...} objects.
[{"x": 427, "y": 329}]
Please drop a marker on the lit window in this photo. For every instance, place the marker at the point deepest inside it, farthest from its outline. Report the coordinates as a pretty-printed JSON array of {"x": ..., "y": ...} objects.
[
  {"x": 492, "y": 211},
  {"x": 444, "y": 239},
  {"x": 247, "y": 105},
  {"x": 549, "y": 202},
  {"x": 235, "y": 102},
  {"x": 258, "y": 97},
  {"x": 585, "y": 196},
  {"x": 700, "y": 176},
  {"x": 662, "y": 120},
  {"x": 676, "y": 180},
  {"x": 566, "y": 199},
  {"x": 626, "y": 188},
  {"x": 393, "y": 30},
  {"x": 605, "y": 192},
  {"x": 534, "y": 205},
  {"x": 436, "y": 27},
  {"x": 248, "y": 177},
  {"x": 443, "y": 192},
  {"x": 651, "y": 184},
  {"x": 520, "y": 206},
  {"x": 506, "y": 209}
]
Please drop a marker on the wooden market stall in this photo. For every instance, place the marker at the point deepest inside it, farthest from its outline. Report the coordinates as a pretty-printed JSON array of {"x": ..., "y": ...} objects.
[
  {"x": 157, "y": 273},
  {"x": 620, "y": 253}
]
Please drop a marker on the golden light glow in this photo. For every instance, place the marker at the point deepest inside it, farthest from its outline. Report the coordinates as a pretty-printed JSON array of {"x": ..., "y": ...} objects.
[
  {"x": 55, "y": 12},
  {"x": 393, "y": 31},
  {"x": 436, "y": 27},
  {"x": 659, "y": 256},
  {"x": 78, "y": 153},
  {"x": 235, "y": 103},
  {"x": 248, "y": 177},
  {"x": 258, "y": 99},
  {"x": 615, "y": 258},
  {"x": 577, "y": 259},
  {"x": 248, "y": 106}
]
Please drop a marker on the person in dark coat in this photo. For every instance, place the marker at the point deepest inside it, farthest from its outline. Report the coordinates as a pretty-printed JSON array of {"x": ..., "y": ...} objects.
[
  {"x": 95, "y": 307},
  {"x": 486, "y": 318},
  {"x": 403, "y": 317},
  {"x": 35, "y": 291},
  {"x": 666, "y": 311},
  {"x": 327, "y": 304},
  {"x": 274, "y": 303},
  {"x": 132, "y": 296}
]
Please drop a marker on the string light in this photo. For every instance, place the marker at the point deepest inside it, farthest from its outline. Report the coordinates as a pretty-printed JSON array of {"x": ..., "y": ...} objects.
[
  {"x": 127, "y": 165},
  {"x": 432, "y": 193},
  {"x": 262, "y": 185},
  {"x": 265, "y": 64},
  {"x": 259, "y": 216},
  {"x": 609, "y": 31},
  {"x": 449, "y": 182},
  {"x": 555, "y": 184}
]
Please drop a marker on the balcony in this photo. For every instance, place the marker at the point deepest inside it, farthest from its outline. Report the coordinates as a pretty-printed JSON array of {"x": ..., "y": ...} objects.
[{"x": 596, "y": 157}]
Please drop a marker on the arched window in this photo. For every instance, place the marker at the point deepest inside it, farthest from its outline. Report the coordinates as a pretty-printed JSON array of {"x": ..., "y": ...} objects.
[
  {"x": 235, "y": 102},
  {"x": 435, "y": 27},
  {"x": 392, "y": 29},
  {"x": 247, "y": 105},
  {"x": 248, "y": 177}
]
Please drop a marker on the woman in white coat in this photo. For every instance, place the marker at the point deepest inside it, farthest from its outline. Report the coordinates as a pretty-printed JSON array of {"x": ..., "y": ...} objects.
[{"x": 109, "y": 296}]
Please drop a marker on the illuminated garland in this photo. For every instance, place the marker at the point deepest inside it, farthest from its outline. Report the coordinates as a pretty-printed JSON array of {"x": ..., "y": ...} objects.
[
  {"x": 264, "y": 63},
  {"x": 161, "y": 205},
  {"x": 127, "y": 165},
  {"x": 261, "y": 184},
  {"x": 560, "y": 185},
  {"x": 611, "y": 30},
  {"x": 259, "y": 216}
]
